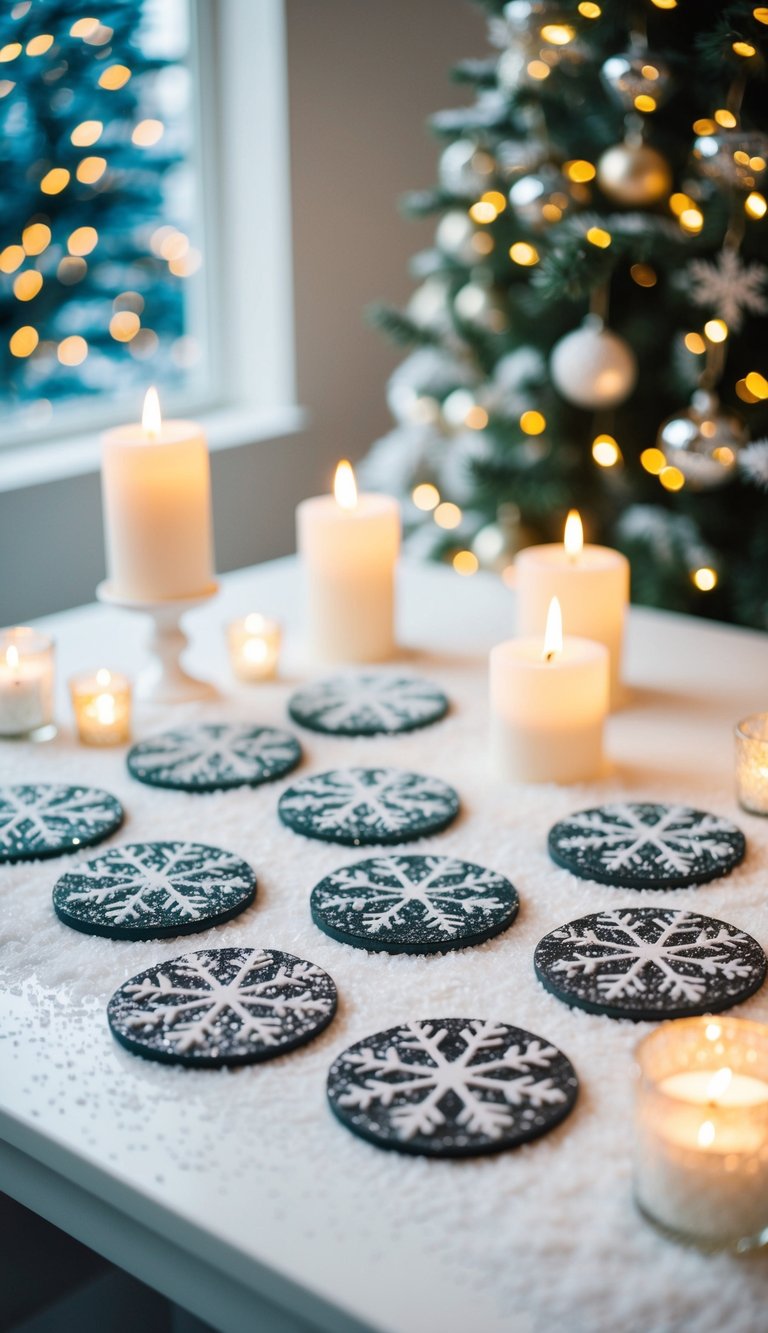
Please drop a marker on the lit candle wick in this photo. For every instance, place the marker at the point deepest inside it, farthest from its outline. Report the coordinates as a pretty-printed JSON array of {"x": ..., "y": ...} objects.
[
  {"x": 151, "y": 419},
  {"x": 573, "y": 536},
  {"x": 12, "y": 657},
  {"x": 553, "y": 633},
  {"x": 345, "y": 486}
]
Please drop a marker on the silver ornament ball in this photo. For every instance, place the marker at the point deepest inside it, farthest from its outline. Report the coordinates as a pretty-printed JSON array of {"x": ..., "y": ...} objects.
[
  {"x": 459, "y": 238},
  {"x": 593, "y": 367},
  {"x": 544, "y": 196},
  {"x": 633, "y": 74},
  {"x": 732, "y": 158},
  {"x": 703, "y": 441}
]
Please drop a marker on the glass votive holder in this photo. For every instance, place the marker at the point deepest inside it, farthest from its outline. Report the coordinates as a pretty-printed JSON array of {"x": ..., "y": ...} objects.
[
  {"x": 26, "y": 685},
  {"x": 101, "y": 702},
  {"x": 752, "y": 763},
  {"x": 254, "y": 647},
  {"x": 701, "y": 1131}
]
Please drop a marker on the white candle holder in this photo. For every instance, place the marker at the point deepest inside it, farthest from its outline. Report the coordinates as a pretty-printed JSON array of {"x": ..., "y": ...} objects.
[
  {"x": 164, "y": 680},
  {"x": 254, "y": 647},
  {"x": 26, "y": 685},
  {"x": 752, "y": 763}
]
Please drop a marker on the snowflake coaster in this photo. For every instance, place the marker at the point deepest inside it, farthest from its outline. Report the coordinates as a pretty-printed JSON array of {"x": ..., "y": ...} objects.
[
  {"x": 222, "y": 1007},
  {"x": 451, "y": 1087},
  {"x": 151, "y": 889},
  {"x": 646, "y": 846},
  {"x": 39, "y": 820},
  {"x": 214, "y": 756},
  {"x": 650, "y": 963},
  {"x": 367, "y": 704},
  {"x": 413, "y": 904},
  {"x": 368, "y": 805}
]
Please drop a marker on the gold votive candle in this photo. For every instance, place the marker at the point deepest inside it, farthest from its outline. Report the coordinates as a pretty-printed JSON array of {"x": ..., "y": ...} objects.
[
  {"x": 26, "y": 685},
  {"x": 752, "y": 763},
  {"x": 102, "y": 706},
  {"x": 254, "y": 647}
]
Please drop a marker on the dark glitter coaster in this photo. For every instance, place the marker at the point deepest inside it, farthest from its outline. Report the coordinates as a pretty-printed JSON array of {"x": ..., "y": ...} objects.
[
  {"x": 413, "y": 904},
  {"x": 368, "y": 806},
  {"x": 451, "y": 1087},
  {"x": 41, "y": 819},
  {"x": 641, "y": 845},
  {"x": 368, "y": 703},
  {"x": 650, "y": 963},
  {"x": 214, "y": 756},
  {"x": 222, "y": 1007},
  {"x": 146, "y": 890}
]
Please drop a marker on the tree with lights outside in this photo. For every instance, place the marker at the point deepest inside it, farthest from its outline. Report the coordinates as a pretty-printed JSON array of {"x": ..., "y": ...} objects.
[{"x": 589, "y": 328}]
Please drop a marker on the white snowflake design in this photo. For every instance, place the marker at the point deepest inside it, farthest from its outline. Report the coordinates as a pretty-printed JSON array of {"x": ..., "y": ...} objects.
[
  {"x": 642, "y": 843},
  {"x": 158, "y": 884},
  {"x": 368, "y": 805},
  {"x": 414, "y": 899},
  {"x": 452, "y": 1083},
  {"x": 664, "y": 959},
  {"x": 40, "y": 819},
  {"x": 215, "y": 755},
  {"x": 223, "y": 1006},
  {"x": 729, "y": 287},
  {"x": 368, "y": 703}
]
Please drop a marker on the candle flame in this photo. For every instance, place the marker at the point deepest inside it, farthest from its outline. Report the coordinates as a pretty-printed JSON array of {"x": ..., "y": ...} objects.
[
  {"x": 345, "y": 486},
  {"x": 719, "y": 1083},
  {"x": 706, "y": 1134},
  {"x": 151, "y": 420},
  {"x": 103, "y": 677},
  {"x": 573, "y": 537},
  {"x": 255, "y": 650},
  {"x": 12, "y": 656},
  {"x": 104, "y": 705},
  {"x": 254, "y": 623},
  {"x": 553, "y": 634}
]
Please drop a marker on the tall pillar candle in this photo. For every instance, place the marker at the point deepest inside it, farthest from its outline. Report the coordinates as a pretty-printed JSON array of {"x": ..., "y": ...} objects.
[
  {"x": 549, "y": 699},
  {"x": 349, "y": 545},
  {"x": 591, "y": 584},
  {"x": 157, "y": 508}
]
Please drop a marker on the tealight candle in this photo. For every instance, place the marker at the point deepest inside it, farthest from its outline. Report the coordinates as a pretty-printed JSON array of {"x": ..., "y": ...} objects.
[
  {"x": 591, "y": 584},
  {"x": 102, "y": 708},
  {"x": 254, "y": 647},
  {"x": 752, "y": 763},
  {"x": 349, "y": 545},
  {"x": 701, "y": 1149},
  {"x": 549, "y": 700},
  {"x": 26, "y": 685}
]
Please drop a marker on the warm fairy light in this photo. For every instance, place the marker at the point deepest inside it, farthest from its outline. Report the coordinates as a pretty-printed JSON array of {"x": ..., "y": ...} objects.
[
  {"x": 447, "y": 515},
  {"x": 705, "y": 579},
  {"x": 761, "y": 14},
  {"x": 99, "y": 36},
  {"x": 27, "y": 284},
  {"x": 679, "y": 202},
  {"x": 465, "y": 563},
  {"x": 496, "y": 198},
  {"x": 72, "y": 269},
  {"x": 12, "y": 657},
  {"x": 695, "y": 343},
  {"x": 124, "y": 326},
  {"x": 11, "y": 258},
  {"x": 643, "y": 102},
  {"x": 345, "y": 486},
  {"x": 650, "y": 73},
  {"x": 589, "y": 10},
  {"x": 425, "y": 496},
  {"x": 580, "y": 170},
  {"x": 537, "y": 69},
  {"x": 533, "y": 423},
  {"x": 483, "y": 212},
  {"x": 91, "y": 169},
  {"x": 84, "y": 27},
  {"x": 72, "y": 351},
  {"x": 726, "y": 118},
  {"x": 745, "y": 49},
  {"x": 6, "y": 86},
  {"x": 716, "y": 330},
  {"x": 482, "y": 243},
  {"x": 665, "y": 4},
  {"x": 557, "y": 34},
  {"x": 573, "y": 535},
  {"x": 744, "y": 393},
  {"x": 653, "y": 461},
  {"x": 187, "y": 264},
  {"x": 706, "y": 1135},
  {"x": 599, "y": 237},
  {"x": 553, "y": 632},
  {"x": 476, "y": 418},
  {"x": 551, "y": 212},
  {"x": 37, "y": 46},
  {"x": 55, "y": 180},
  {"x": 83, "y": 240},
  {"x": 672, "y": 479},
  {"x": 704, "y": 126},
  {"x": 24, "y": 341},
  {"x": 643, "y": 275},
  {"x": 35, "y": 238},
  {"x": 605, "y": 451},
  {"x": 129, "y": 301},
  {"x": 757, "y": 384},
  {"x": 692, "y": 220},
  {"x": 86, "y": 133},
  {"x": 173, "y": 245},
  {"x": 524, "y": 254},
  {"x": 114, "y": 77},
  {"x": 755, "y": 205},
  {"x": 151, "y": 418},
  {"x": 10, "y": 52},
  {"x": 147, "y": 133}
]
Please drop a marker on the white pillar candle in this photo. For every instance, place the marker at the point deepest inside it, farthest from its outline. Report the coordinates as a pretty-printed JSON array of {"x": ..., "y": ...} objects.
[
  {"x": 591, "y": 583},
  {"x": 549, "y": 699},
  {"x": 157, "y": 508},
  {"x": 349, "y": 545},
  {"x": 26, "y": 684},
  {"x": 701, "y": 1152}
]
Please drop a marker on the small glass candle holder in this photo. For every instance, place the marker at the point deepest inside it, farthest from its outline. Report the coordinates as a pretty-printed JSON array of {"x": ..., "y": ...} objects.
[
  {"x": 26, "y": 685},
  {"x": 701, "y": 1131},
  {"x": 752, "y": 763},
  {"x": 102, "y": 706},
  {"x": 254, "y": 647}
]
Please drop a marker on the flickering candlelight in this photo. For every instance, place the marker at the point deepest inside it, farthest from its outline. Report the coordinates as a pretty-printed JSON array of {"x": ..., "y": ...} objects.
[{"x": 102, "y": 706}]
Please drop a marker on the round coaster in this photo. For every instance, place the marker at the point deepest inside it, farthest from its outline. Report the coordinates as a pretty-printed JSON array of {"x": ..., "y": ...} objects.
[
  {"x": 413, "y": 904},
  {"x": 214, "y": 756},
  {"x": 646, "y": 846},
  {"x": 451, "y": 1087},
  {"x": 40, "y": 819},
  {"x": 222, "y": 1007},
  {"x": 367, "y": 704},
  {"x": 650, "y": 963},
  {"x": 151, "y": 889},
  {"x": 360, "y": 806}
]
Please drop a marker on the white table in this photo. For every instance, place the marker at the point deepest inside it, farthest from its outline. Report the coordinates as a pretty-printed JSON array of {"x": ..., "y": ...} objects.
[{"x": 236, "y": 1193}]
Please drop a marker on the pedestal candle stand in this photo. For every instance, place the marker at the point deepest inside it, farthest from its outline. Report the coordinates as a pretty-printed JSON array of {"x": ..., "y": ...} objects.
[{"x": 164, "y": 680}]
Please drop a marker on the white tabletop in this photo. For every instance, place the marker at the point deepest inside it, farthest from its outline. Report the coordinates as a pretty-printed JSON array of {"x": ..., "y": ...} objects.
[{"x": 237, "y": 1193}]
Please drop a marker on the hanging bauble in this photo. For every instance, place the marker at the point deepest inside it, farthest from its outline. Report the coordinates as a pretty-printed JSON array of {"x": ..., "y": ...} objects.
[
  {"x": 459, "y": 238},
  {"x": 634, "y": 174},
  {"x": 637, "y": 79},
  {"x": 732, "y": 157},
  {"x": 481, "y": 307},
  {"x": 703, "y": 441},
  {"x": 497, "y": 544},
  {"x": 465, "y": 170},
  {"x": 593, "y": 367},
  {"x": 429, "y": 306},
  {"x": 545, "y": 196},
  {"x": 418, "y": 385}
]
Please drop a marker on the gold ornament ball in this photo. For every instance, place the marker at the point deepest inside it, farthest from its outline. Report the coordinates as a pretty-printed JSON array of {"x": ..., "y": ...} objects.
[{"x": 634, "y": 175}]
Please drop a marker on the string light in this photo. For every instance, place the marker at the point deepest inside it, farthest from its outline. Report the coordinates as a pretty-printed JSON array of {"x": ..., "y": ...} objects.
[
  {"x": 653, "y": 461},
  {"x": 705, "y": 579},
  {"x": 124, "y": 326},
  {"x": 35, "y": 238},
  {"x": 716, "y": 330},
  {"x": 482, "y": 243},
  {"x": 483, "y": 212},
  {"x": 476, "y": 418},
  {"x": 691, "y": 220},
  {"x": 757, "y": 384},
  {"x": 83, "y": 240},
  {"x": 605, "y": 451},
  {"x": 114, "y": 77},
  {"x": 643, "y": 275},
  {"x": 11, "y": 258},
  {"x": 580, "y": 170},
  {"x": 588, "y": 10},
  {"x": 37, "y": 46},
  {"x": 599, "y": 237},
  {"x": 533, "y": 423},
  {"x": 174, "y": 245},
  {"x": 425, "y": 497},
  {"x": 665, "y": 4},
  {"x": 644, "y": 102},
  {"x": 744, "y": 393},
  {"x": 704, "y": 126},
  {"x": 678, "y": 203},
  {"x": 71, "y": 270},
  {"x": 465, "y": 563},
  {"x": 537, "y": 69},
  {"x": 84, "y": 27},
  {"x": 672, "y": 478},
  {"x": 496, "y": 198},
  {"x": 523, "y": 254},
  {"x": 55, "y": 180},
  {"x": 761, "y": 14},
  {"x": 24, "y": 341},
  {"x": 6, "y": 86},
  {"x": 187, "y": 264},
  {"x": 10, "y": 51},
  {"x": 755, "y": 205},
  {"x": 72, "y": 351},
  {"x": 91, "y": 169},
  {"x": 726, "y": 118},
  {"x": 27, "y": 284},
  {"x": 745, "y": 49},
  {"x": 557, "y": 34},
  {"x": 129, "y": 301},
  {"x": 695, "y": 343},
  {"x": 447, "y": 515},
  {"x": 86, "y": 133}
]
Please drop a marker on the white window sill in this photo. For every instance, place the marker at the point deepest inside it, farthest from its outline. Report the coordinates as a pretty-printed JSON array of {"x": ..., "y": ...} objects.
[{"x": 226, "y": 428}]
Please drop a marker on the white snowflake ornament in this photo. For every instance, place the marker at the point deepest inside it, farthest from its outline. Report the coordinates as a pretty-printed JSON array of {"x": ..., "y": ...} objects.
[
  {"x": 41, "y": 819},
  {"x": 730, "y": 288}
]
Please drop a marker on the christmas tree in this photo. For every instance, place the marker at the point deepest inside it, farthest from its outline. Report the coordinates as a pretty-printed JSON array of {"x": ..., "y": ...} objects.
[{"x": 589, "y": 326}]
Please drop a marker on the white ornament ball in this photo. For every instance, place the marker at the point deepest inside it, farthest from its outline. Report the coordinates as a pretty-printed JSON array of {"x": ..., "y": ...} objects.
[
  {"x": 481, "y": 307},
  {"x": 429, "y": 306},
  {"x": 593, "y": 367},
  {"x": 465, "y": 170},
  {"x": 456, "y": 235}
]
